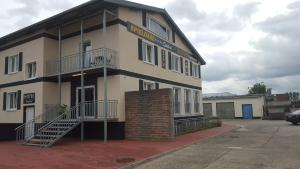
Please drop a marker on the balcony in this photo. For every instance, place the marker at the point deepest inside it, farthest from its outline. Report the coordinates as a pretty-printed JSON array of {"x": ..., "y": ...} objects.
[{"x": 93, "y": 59}]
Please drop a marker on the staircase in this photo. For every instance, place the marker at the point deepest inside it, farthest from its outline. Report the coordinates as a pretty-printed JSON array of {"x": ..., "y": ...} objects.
[
  {"x": 47, "y": 128},
  {"x": 44, "y": 133}
]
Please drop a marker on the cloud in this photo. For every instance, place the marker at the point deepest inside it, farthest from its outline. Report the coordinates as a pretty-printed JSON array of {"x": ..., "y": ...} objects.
[
  {"x": 245, "y": 11},
  {"x": 275, "y": 59}
]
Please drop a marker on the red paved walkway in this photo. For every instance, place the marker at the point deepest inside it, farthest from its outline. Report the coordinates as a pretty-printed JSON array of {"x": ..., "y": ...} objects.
[{"x": 92, "y": 154}]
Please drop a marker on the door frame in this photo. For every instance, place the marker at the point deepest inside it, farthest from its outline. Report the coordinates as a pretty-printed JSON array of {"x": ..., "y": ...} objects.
[
  {"x": 24, "y": 112},
  {"x": 243, "y": 105},
  {"x": 85, "y": 87},
  {"x": 24, "y": 119}
]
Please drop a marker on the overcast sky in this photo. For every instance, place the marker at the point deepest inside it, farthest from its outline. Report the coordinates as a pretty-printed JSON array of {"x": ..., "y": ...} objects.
[{"x": 242, "y": 41}]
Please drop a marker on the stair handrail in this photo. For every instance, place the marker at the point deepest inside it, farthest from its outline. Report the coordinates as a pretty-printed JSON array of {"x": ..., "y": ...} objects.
[{"x": 58, "y": 117}]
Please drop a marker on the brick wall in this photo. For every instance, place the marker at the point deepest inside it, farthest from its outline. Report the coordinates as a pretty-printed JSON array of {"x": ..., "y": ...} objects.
[{"x": 149, "y": 115}]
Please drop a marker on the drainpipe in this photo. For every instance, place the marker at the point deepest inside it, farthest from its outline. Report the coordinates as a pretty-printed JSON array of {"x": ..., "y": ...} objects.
[{"x": 82, "y": 81}]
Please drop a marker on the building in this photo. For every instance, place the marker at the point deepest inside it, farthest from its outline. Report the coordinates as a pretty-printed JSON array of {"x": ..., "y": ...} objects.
[
  {"x": 234, "y": 106},
  {"x": 277, "y": 106},
  {"x": 75, "y": 68}
]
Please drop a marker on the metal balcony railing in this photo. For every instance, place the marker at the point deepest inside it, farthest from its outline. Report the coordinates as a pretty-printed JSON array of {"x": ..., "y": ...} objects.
[{"x": 72, "y": 63}]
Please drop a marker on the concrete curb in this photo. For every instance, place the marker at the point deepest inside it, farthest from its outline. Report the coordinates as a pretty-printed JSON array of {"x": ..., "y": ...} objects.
[{"x": 151, "y": 158}]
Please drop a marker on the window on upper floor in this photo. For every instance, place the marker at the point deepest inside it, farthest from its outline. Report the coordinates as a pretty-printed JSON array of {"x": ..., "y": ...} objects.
[
  {"x": 13, "y": 64},
  {"x": 31, "y": 70},
  {"x": 148, "y": 53},
  {"x": 175, "y": 63},
  {"x": 186, "y": 65},
  {"x": 163, "y": 59},
  {"x": 11, "y": 101},
  {"x": 157, "y": 28},
  {"x": 194, "y": 70}
]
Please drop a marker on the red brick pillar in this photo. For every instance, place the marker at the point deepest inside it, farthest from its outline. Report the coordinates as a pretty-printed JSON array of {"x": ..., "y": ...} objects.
[{"x": 149, "y": 115}]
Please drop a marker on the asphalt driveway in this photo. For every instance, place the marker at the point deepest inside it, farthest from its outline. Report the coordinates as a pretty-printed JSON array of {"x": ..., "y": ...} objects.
[{"x": 257, "y": 144}]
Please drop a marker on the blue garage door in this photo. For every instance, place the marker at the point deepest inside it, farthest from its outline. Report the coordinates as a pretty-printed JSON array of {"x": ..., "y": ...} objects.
[{"x": 247, "y": 111}]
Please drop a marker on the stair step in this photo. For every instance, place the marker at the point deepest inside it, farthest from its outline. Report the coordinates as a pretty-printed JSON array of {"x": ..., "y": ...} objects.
[
  {"x": 52, "y": 131},
  {"x": 43, "y": 136},
  {"x": 32, "y": 144},
  {"x": 36, "y": 140}
]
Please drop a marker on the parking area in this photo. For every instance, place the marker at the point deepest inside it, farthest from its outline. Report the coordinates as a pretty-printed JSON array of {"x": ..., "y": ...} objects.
[
  {"x": 92, "y": 154},
  {"x": 255, "y": 144}
]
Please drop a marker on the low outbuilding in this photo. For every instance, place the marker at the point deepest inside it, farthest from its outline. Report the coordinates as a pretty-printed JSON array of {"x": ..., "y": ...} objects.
[{"x": 234, "y": 106}]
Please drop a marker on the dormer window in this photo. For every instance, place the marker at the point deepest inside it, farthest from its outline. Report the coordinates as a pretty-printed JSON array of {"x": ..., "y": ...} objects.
[{"x": 157, "y": 28}]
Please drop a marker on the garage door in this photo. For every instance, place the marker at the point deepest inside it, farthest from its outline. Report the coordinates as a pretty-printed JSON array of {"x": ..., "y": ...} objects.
[
  {"x": 225, "y": 110},
  {"x": 207, "y": 109}
]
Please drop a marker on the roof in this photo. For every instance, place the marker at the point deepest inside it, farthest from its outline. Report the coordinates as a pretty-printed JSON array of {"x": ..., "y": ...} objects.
[
  {"x": 93, "y": 6},
  {"x": 233, "y": 97},
  {"x": 218, "y": 94}
]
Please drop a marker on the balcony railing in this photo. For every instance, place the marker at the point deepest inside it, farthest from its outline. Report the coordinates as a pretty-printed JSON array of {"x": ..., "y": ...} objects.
[{"x": 72, "y": 63}]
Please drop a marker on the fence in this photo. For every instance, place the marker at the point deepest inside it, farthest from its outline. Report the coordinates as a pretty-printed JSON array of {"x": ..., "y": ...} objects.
[{"x": 183, "y": 126}]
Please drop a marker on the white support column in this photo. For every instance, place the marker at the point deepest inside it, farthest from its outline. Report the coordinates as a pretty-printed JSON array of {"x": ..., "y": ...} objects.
[
  {"x": 82, "y": 81},
  {"x": 105, "y": 76},
  {"x": 59, "y": 63}
]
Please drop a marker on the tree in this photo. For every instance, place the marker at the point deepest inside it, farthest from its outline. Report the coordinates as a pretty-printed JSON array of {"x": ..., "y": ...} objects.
[
  {"x": 294, "y": 98},
  {"x": 258, "y": 88}
]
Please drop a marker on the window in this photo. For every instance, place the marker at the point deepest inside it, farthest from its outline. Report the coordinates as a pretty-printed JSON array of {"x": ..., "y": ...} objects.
[
  {"x": 158, "y": 29},
  {"x": 163, "y": 59},
  {"x": 149, "y": 86},
  {"x": 194, "y": 70},
  {"x": 148, "y": 53},
  {"x": 197, "y": 101},
  {"x": 186, "y": 67},
  {"x": 31, "y": 70},
  {"x": 177, "y": 100},
  {"x": 11, "y": 101},
  {"x": 187, "y": 100},
  {"x": 13, "y": 64},
  {"x": 175, "y": 63}
]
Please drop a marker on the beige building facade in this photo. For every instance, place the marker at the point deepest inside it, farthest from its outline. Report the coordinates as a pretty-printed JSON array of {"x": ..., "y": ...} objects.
[{"x": 145, "y": 50}]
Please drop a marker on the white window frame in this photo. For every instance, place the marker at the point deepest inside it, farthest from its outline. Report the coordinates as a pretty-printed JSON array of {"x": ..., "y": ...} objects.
[
  {"x": 27, "y": 70},
  {"x": 146, "y": 56},
  {"x": 177, "y": 102},
  {"x": 13, "y": 67},
  {"x": 195, "y": 70},
  {"x": 12, "y": 101},
  {"x": 165, "y": 35},
  {"x": 175, "y": 63},
  {"x": 148, "y": 85},
  {"x": 187, "y": 101},
  {"x": 196, "y": 101}
]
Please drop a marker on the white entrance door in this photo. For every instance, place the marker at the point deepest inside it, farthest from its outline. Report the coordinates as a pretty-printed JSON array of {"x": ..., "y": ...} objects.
[
  {"x": 29, "y": 128},
  {"x": 89, "y": 106}
]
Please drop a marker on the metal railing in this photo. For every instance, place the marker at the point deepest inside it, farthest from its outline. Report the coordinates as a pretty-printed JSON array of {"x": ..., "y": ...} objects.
[
  {"x": 188, "y": 125},
  {"x": 27, "y": 130},
  {"x": 94, "y": 110},
  {"x": 72, "y": 63}
]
